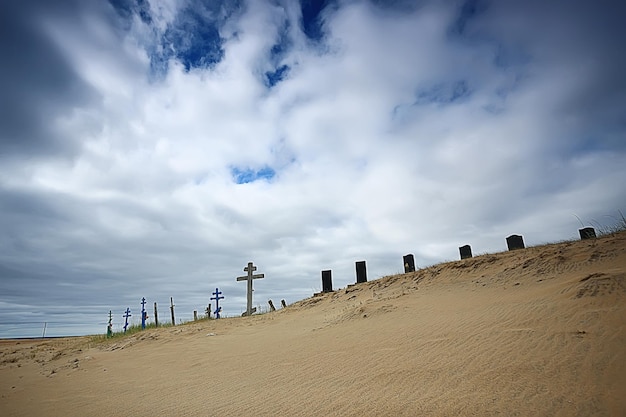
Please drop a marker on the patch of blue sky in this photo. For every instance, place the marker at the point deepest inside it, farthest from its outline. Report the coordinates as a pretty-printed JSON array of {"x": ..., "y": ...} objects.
[
  {"x": 312, "y": 22},
  {"x": 194, "y": 39},
  {"x": 247, "y": 175},
  {"x": 274, "y": 77}
]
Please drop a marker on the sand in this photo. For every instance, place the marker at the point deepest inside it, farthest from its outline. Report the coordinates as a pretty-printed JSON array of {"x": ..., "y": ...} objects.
[{"x": 533, "y": 332}]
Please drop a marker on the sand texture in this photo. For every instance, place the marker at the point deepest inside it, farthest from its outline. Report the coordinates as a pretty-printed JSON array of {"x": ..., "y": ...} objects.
[{"x": 533, "y": 332}]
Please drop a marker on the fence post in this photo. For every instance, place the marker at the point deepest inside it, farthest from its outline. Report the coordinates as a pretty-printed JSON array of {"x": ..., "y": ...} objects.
[{"x": 156, "y": 316}]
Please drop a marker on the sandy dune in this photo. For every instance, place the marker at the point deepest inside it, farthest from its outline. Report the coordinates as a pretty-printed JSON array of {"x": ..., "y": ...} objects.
[{"x": 534, "y": 332}]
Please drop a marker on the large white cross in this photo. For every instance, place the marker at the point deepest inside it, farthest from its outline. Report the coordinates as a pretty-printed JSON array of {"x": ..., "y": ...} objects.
[{"x": 250, "y": 269}]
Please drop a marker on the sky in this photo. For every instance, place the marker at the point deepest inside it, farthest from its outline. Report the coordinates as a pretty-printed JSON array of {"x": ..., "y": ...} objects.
[{"x": 152, "y": 148}]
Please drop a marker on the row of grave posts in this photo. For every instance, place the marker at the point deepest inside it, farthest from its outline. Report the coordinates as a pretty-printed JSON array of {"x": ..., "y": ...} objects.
[
  {"x": 327, "y": 276},
  {"x": 513, "y": 242},
  {"x": 271, "y": 303}
]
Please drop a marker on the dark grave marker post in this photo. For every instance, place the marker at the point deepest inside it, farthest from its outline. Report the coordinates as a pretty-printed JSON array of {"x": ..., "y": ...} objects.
[
  {"x": 208, "y": 311},
  {"x": 327, "y": 281},
  {"x": 361, "y": 272},
  {"x": 283, "y": 303},
  {"x": 514, "y": 242},
  {"x": 409, "y": 263},
  {"x": 172, "y": 310},
  {"x": 272, "y": 308},
  {"x": 110, "y": 325},
  {"x": 156, "y": 316},
  {"x": 126, "y": 316},
  {"x": 217, "y": 299},
  {"x": 144, "y": 314},
  {"x": 587, "y": 233},
  {"x": 465, "y": 251},
  {"x": 250, "y": 270}
]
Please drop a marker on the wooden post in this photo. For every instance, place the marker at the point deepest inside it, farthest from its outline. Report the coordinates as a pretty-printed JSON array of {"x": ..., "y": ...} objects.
[
  {"x": 465, "y": 251},
  {"x": 283, "y": 303},
  {"x": 250, "y": 269},
  {"x": 515, "y": 242},
  {"x": 172, "y": 310},
  {"x": 110, "y": 325},
  {"x": 195, "y": 315},
  {"x": 361, "y": 272},
  {"x": 587, "y": 233},
  {"x": 327, "y": 281},
  {"x": 208, "y": 311},
  {"x": 272, "y": 308},
  {"x": 156, "y": 316},
  {"x": 409, "y": 263}
]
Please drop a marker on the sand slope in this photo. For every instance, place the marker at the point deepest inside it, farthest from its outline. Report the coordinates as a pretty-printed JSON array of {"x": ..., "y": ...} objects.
[{"x": 535, "y": 332}]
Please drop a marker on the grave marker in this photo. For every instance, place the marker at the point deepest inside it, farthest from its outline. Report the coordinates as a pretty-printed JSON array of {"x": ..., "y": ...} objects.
[
  {"x": 514, "y": 242},
  {"x": 587, "y": 233},
  {"x": 144, "y": 315},
  {"x": 283, "y": 303},
  {"x": 217, "y": 299},
  {"x": 110, "y": 325},
  {"x": 465, "y": 251},
  {"x": 272, "y": 308},
  {"x": 156, "y": 316},
  {"x": 250, "y": 270},
  {"x": 172, "y": 310},
  {"x": 327, "y": 281},
  {"x": 409, "y": 263},
  {"x": 361, "y": 272},
  {"x": 126, "y": 316}
]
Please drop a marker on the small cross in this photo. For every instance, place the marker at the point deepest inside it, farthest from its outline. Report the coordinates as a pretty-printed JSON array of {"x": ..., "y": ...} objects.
[
  {"x": 217, "y": 299},
  {"x": 250, "y": 270}
]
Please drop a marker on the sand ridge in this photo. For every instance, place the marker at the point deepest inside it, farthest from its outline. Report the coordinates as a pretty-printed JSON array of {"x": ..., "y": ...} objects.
[{"x": 538, "y": 331}]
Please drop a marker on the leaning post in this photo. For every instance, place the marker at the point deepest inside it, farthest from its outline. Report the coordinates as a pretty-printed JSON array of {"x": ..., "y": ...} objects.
[{"x": 172, "y": 310}]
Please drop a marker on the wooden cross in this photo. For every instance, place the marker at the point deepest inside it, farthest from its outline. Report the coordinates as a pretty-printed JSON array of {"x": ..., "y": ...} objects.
[
  {"x": 217, "y": 299},
  {"x": 250, "y": 269}
]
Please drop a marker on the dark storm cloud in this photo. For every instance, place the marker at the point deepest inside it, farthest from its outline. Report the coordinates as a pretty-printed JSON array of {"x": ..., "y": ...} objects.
[{"x": 38, "y": 84}]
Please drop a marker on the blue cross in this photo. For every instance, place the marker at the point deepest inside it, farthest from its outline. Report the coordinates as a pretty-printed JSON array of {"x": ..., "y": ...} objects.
[{"x": 217, "y": 299}]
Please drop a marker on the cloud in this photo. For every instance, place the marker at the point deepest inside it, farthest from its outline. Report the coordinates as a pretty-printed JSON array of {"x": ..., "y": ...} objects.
[{"x": 168, "y": 144}]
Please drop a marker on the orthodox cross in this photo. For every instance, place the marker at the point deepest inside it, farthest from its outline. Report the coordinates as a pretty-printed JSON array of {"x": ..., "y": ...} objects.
[
  {"x": 143, "y": 313},
  {"x": 217, "y": 299},
  {"x": 250, "y": 270},
  {"x": 126, "y": 316}
]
